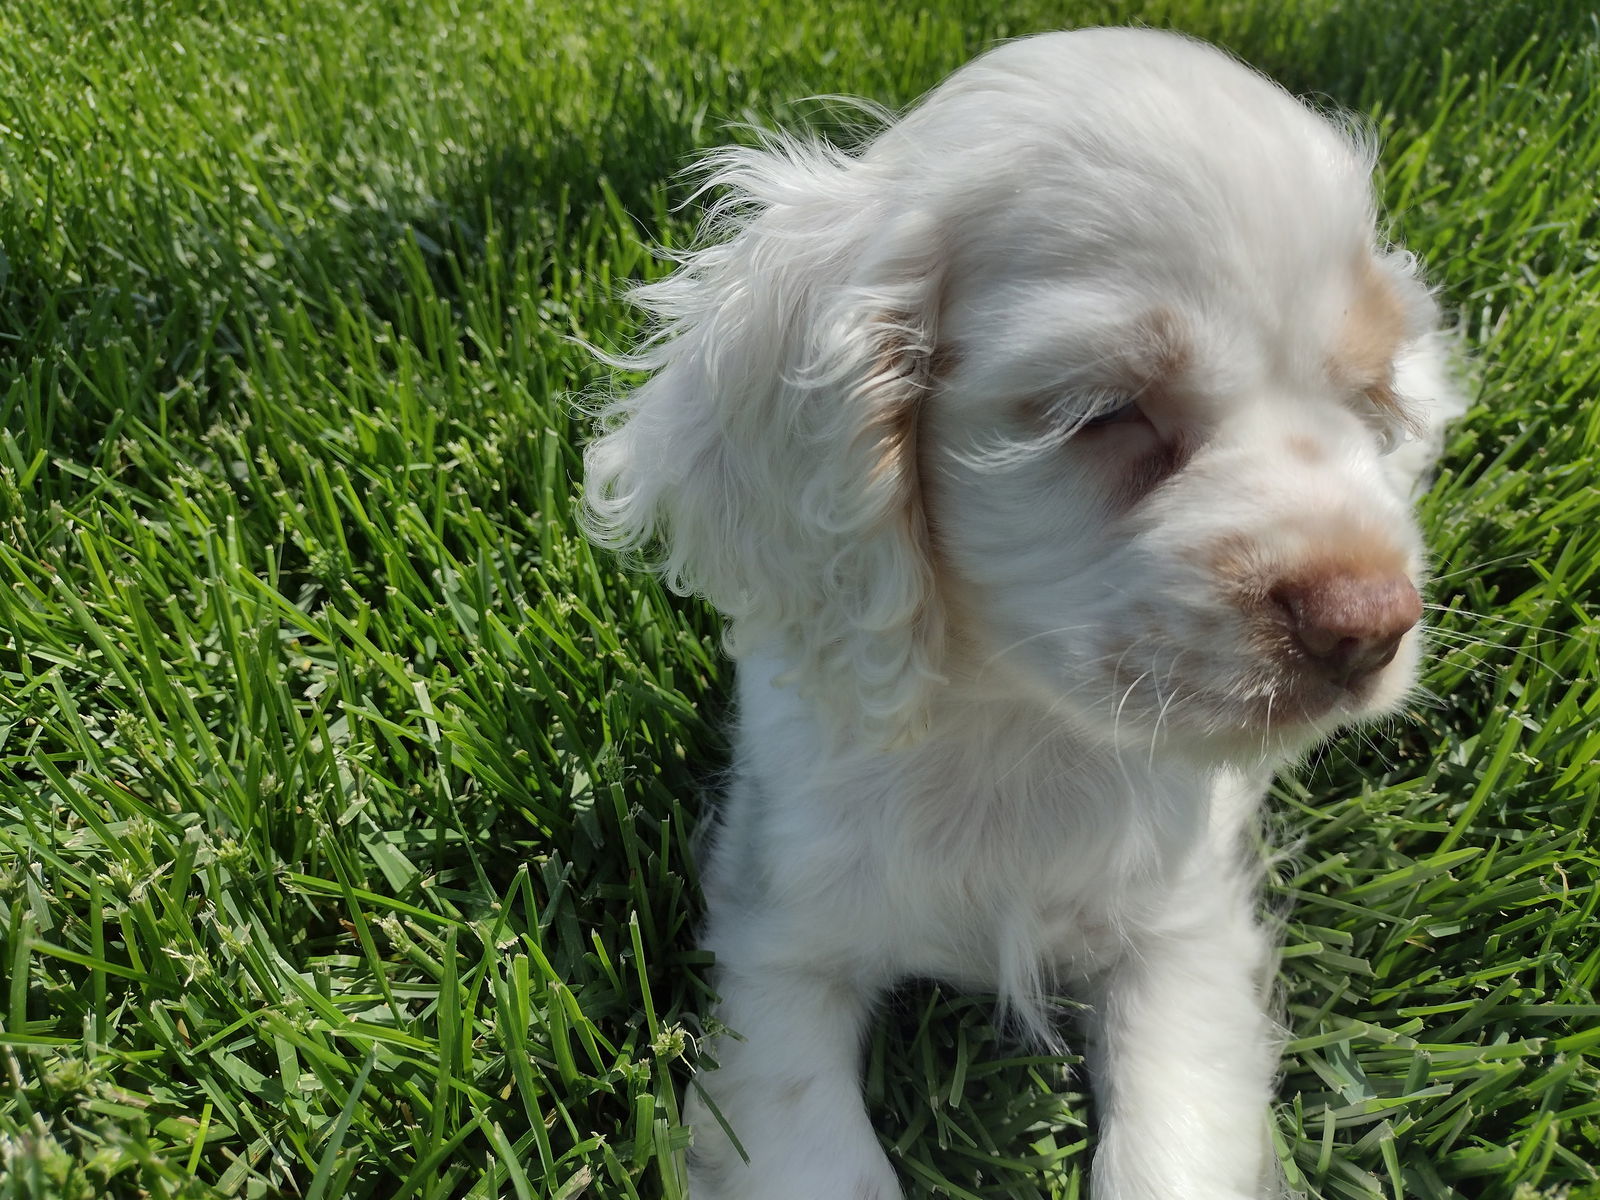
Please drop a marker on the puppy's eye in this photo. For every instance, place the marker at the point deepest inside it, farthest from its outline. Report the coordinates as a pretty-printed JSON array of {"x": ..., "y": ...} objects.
[{"x": 1118, "y": 411}]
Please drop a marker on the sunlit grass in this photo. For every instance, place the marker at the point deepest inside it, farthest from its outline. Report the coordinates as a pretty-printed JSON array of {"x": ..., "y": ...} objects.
[{"x": 346, "y": 795}]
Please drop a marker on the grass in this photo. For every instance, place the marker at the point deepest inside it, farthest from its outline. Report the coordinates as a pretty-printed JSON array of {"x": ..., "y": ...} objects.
[{"x": 346, "y": 794}]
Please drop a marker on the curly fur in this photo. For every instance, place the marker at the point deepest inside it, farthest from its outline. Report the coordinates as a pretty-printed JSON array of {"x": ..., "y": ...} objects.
[{"x": 1037, "y": 453}]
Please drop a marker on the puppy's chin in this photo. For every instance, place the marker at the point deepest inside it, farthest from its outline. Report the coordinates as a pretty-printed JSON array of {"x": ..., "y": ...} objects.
[
  {"x": 1272, "y": 719},
  {"x": 1284, "y": 726}
]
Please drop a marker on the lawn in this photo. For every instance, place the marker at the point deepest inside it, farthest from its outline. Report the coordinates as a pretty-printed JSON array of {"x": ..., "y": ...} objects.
[{"x": 347, "y": 796}]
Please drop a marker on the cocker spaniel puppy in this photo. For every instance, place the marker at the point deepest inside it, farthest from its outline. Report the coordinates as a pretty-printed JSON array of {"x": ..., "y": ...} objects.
[{"x": 1050, "y": 458}]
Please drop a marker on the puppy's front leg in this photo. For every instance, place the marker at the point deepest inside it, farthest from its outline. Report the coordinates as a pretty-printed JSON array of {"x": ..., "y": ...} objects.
[
  {"x": 788, "y": 1086},
  {"x": 1185, "y": 1061}
]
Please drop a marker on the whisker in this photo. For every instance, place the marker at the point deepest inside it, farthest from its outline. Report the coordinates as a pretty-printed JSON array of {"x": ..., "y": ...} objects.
[
  {"x": 1478, "y": 567},
  {"x": 1461, "y": 643},
  {"x": 1464, "y": 637},
  {"x": 1428, "y": 698},
  {"x": 1155, "y": 731},
  {"x": 1116, "y": 730},
  {"x": 1487, "y": 618},
  {"x": 1032, "y": 637}
]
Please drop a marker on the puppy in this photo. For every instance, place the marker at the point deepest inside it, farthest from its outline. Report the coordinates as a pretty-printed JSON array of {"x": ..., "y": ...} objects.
[{"x": 1050, "y": 458}]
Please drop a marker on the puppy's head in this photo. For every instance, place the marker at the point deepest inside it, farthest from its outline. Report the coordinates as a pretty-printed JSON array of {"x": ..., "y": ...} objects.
[{"x": 1089, "y": 377}]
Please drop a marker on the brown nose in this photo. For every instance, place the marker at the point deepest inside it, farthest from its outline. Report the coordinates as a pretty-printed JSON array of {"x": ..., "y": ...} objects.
[{"x": 1348, "y": 626}]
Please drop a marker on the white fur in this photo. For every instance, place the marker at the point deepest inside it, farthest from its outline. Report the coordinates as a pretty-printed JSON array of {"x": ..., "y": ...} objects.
[{"x": 1001, "y": 722}]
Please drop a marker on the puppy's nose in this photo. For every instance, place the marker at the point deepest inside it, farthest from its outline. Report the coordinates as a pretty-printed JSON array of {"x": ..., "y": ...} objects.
[{"x": 1348, "y": 626}]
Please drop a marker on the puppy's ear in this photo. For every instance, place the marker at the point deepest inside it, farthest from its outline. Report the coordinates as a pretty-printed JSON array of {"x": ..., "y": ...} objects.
[{"x": 769, "y": 463}]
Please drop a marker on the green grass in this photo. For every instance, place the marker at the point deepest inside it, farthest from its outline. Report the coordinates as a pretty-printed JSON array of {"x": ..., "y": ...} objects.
[{"x": 346, "y": 795}]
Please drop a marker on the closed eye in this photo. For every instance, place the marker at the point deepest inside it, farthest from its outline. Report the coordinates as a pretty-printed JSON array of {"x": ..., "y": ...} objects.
[
  {"x": 1056, "y": 421},
  {"x": 1119, "y": 413}
]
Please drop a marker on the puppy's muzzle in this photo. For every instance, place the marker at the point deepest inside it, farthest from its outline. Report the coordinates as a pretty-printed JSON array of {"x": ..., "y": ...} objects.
[{"x": 1345, "y": 627}]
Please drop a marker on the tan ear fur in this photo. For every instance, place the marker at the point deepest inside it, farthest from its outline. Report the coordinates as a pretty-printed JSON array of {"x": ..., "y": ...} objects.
[{"x": 769, "y": 463}]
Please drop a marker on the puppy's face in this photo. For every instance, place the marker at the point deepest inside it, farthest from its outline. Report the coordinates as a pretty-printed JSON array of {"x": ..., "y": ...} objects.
[
  {"x": 1184, "y": 533},
  {"x": 1159, "y": 465},
  {"x": 1090, "y": 374}
]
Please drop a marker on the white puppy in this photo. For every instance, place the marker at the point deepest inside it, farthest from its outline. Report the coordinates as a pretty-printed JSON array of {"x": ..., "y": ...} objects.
[{"x": 1050, "y": 458}]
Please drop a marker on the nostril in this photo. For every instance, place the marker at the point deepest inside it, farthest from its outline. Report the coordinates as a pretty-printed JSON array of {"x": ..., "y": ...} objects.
[{"x": 1347, "y": 625}]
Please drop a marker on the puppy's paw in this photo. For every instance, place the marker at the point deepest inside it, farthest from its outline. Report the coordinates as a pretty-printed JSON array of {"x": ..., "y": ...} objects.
[{"x": 717, "y": 1171}]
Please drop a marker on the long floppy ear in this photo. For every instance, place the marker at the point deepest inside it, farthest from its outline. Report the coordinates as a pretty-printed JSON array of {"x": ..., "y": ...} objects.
[{"x": 770, "y": 463}]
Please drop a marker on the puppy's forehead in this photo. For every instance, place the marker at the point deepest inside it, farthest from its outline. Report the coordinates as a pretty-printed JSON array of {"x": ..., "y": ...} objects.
[
  {"x": 1120, "y": 86},
  {"x": 1080, "y": 180},
  {"x": 1019, "y": 342},
  {"x": 1117, "y": 139}
]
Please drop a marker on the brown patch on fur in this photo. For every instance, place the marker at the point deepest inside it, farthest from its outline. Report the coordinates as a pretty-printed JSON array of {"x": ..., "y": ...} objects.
[
  {"x": 895, "y": 437},
  {"x": 1374, "y": 329},
  {"x": 1167, "y": 348},
  {"x": 1247, "y": 572},
  {"x": 910, "y": 374},
  {"x": 1305, "y": 449},
  {"x": 1356, "y": 552},
  {"x": 1241, "y": 569},
  {"x": 898, "y": 426},
  {"x": 903, "y": 372},
  {"x": 1373, "y": 332},
  {"x": 1228, "y": 555},
  {"x": 924, "y": 530}
]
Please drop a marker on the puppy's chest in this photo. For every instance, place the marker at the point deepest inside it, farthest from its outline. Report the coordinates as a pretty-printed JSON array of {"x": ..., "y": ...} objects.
[{"x": 1040, "y": 878}]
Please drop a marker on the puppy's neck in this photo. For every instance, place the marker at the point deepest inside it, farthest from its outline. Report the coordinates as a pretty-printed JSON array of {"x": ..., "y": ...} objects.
[{"x": 987, "y": 740}]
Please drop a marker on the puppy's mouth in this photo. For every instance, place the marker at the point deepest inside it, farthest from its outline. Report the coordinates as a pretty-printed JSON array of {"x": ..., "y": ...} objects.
[
  {"x": 1274, "y": 704},
  {"x": 1318, "y": 650},
  {"x": 1299, "y": 705},
  {"x": 1266, "y": 696}
]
